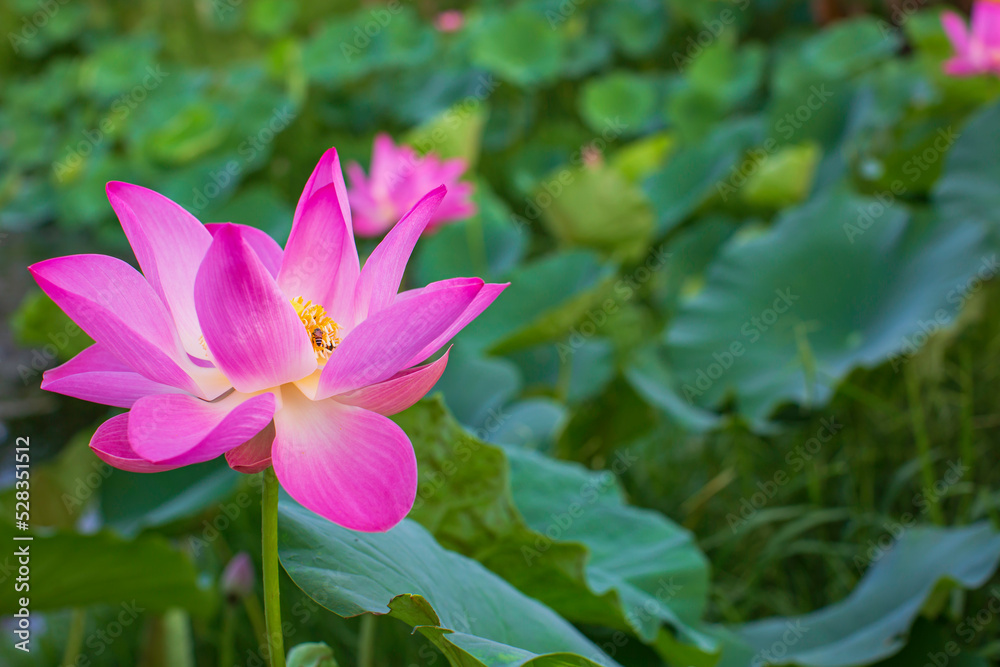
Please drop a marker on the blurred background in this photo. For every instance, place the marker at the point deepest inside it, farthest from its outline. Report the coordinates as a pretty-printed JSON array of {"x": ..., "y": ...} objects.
[{"x": 751, "y": 248}]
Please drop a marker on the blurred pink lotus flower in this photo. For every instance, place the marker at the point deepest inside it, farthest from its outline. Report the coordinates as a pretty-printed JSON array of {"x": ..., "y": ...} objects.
[
  {"x": 449, "y": 21},
  {"x": 591, "y": 157},
  {"x": 977, "y": 51},
  {"x": 238, "y": 576},
  {"x": 398, "y": 178},
  {"x": 227, "y": 344}
]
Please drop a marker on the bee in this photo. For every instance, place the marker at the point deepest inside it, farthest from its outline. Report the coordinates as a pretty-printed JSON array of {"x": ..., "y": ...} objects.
[{"x": 318, "y": 341}]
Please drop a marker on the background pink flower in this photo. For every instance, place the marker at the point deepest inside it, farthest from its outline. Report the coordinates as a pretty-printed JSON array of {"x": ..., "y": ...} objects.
[
  {"x": 229, "y": 344},
  {"x": 977, "y": 51},
  {"x": 397, "y": 179},
  {"x": 449, "y": 21}
]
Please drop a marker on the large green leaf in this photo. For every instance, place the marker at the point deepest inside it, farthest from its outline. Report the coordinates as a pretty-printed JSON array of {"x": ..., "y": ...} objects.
[
  {"x": 72, "y": 570},
  {"x": 658, "y": 574},
  {"x": 347, "y": 47},
  {"x": 968, "y": 188},
  {"x": 519, "y": 45},
  {"x": 598, "y": 207},
  {"x": 565, "y": 537},
  {"x": 839, "y": 282},
  {"x": 698, "y": 172},
  {"x": 619, "y": 99},
  {"x": 472, "y": 615},
  {"x": 872, "y": 622}
]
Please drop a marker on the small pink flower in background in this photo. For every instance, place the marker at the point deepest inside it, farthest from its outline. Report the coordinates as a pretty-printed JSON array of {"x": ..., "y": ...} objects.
[
  {"x": 229, "y": 344},
  {"x": 238, "y": 577},
  {"x": 591, "y": 157},
  {"x": 977, "y": 50},
  {"x": 397, "y": 180},
  {"x": 449, "y": 21}
]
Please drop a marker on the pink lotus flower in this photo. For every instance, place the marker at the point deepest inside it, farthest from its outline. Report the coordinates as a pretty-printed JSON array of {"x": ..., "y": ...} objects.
[
  {"x": 227, "y": 344},
  {"x": 399, "y": 177},
  {"x": 978, "y": 51},
  {"x": 449, "y": 21}
]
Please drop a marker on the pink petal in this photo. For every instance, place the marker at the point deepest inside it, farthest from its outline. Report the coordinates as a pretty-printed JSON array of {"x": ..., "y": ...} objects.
[
  {"x": 484, "y": 298},
  {"x": 357, "y": 177},
  {"x": 382, "y": 345},
  {"x": 118, "y": 309},
  {"x": 253, "y": 455},
  {"x": 110, "y": 444},
  {"x": 250, "y": 327},
  {"x": 398, "y": 392},
  {"x": 986, "y": 22},
  {"x": 961, "y": 66},
  {"x": 267, "y": 249},
  {"x": 956, "y": 30},
  {"x": 180, "y": 429},
  {"x": 383, "y": 272},
  {"x": 169, "y": 243},
  {"x": 316, "y": 248},
  {"x": 353, "y": 467},
  {"x": 327, "y": 172},
  {"x": 98, "y": 376}
]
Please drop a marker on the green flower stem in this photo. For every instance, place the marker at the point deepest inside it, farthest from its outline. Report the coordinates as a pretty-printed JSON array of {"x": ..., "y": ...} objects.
[
  {"x": 74, "y": 641},
  {"x": 227, "y": 649},
  {"x": 366, "y": 641},
  {"x": 923, "y": 443},
  {"x": 269, "y": 540},
  {"x": 966, "y": 446},
  {"x": 251, "y": 605}
]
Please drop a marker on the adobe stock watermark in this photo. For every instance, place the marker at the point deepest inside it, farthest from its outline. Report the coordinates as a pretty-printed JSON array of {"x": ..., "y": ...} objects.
[
  {"x": 751, "y": 331},
  {"x": 365, "y": 33},
  {"x": 786, "y": 127},
  {"x": 432, "y": 481},
  {"x": 552, "y": 188},
  {"x": 31, "y": 25},
  {"x": 914, "y": 168},
  {"x": 899, "y": 14},
  {"x": 655, "y": 606},
  {"x": 923, "y": 500},
  {"x": 248, "y": 150},
  {"x": 557, "y": 16},
  {"x": 303, "y": 611},
  {"x": 225, "y": 516},
  {"x": 42, "y": 358},
  {"x": 101, "y": 639},
  {"x": 942, "y": 317},
  {"x": 85, "y": 486},
  {"x": 120, "y": 109},
  {"x": 967, "y": 630},
  {"x": 796, "y": 459},
  {"x": 590, "y": 492},
  {"x": 624, "y": 290},
  {"x": 711, "y": 30},
  {"x": 452, "y": 118},
  {"x": 774, "y": 654}
]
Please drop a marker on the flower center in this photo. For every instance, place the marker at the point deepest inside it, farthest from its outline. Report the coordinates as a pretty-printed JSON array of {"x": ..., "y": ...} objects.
[{"x": 324, "y": 333}]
